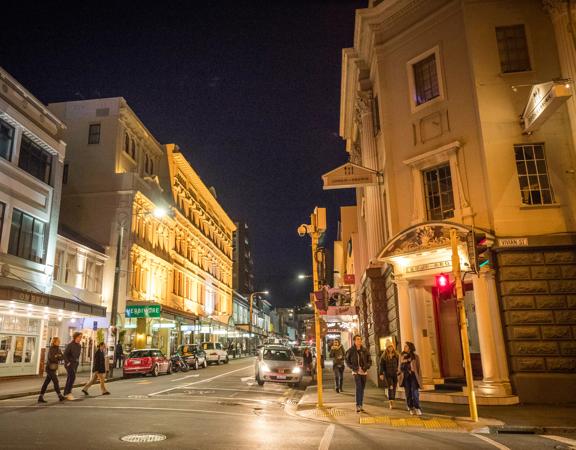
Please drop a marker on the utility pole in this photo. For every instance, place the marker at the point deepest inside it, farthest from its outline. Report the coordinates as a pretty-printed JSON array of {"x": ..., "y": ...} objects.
[
  {"x": 315, "y": 229},
  {"x": 116, "y": 292},
  {"x": 463, "y": 327}
]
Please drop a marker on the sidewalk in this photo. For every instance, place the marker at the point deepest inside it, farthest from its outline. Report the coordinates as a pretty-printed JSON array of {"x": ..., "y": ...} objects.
[
  {"x": 341, "y": 409},
  {"x": 30, "y": 385}
]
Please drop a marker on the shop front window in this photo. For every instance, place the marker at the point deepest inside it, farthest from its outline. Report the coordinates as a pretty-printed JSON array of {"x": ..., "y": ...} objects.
[
  {"x": 5, "y": 346},
  {"x": 18, "y": 349}
]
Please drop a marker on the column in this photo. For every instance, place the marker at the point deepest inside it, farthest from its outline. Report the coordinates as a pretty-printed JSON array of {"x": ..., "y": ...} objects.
[
  {"x": 566, "y": 45},
  {"x": 421, "y": 340},
  {"x": 496, "y": 381},
  {"x": 374, "y": 209},
  {"x": 404, "y": 315}
]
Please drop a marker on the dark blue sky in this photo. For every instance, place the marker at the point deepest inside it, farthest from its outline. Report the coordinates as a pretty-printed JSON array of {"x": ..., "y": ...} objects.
[{"x": 250, "y": 89}]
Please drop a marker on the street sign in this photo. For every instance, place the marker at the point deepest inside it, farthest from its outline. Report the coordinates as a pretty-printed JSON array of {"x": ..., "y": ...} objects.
[
  {"x": 349, "y": 278},
  {"x": 349, "y": 176},
  {"x": 544, "y": 99},
  {"x": 141, "y": 311}
]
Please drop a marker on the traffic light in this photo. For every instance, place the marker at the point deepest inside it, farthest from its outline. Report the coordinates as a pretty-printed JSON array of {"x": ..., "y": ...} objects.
[
  {"x": 442, "y": 282},
  {"x": 478, "y": 250}
]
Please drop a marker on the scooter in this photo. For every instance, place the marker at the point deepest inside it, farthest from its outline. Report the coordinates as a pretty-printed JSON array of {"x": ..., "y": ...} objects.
[{"x": 178, "y": 363}]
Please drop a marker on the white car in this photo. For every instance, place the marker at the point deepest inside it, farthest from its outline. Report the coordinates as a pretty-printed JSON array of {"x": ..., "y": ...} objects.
[{"x": 215, "y": 353}]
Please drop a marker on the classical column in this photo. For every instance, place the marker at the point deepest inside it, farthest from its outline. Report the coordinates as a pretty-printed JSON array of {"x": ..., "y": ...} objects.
[
  {"x": 404, "y": 314},
  {"x": 565, "y": 31},
  {"x": 374, "y": 207},
  {"x": 496, "y": 381}
]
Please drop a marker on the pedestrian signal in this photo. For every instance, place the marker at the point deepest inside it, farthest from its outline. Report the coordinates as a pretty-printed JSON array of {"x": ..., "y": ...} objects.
[
  {"x": 478, "y": 250},
  {"x": 442, "y": 281}
]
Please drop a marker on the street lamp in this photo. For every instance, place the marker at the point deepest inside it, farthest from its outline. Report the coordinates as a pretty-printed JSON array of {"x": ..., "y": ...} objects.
[
  {"x": 301, "y": 276},
  {"x": 251, "y": 302}
]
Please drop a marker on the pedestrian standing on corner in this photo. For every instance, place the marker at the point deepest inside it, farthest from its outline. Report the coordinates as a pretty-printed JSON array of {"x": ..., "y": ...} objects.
[
  {"x": 307, "y": 362},
  {"x": 119, "y": 355},
  {"x": 99, "y": 370},
  {"x": 338, "y": 356},
  {"x": 410, "y": 378},
  {"x": 71, "y": 361},
  {"x": 54, "y": 357},
  {"x": 359, "y": 361},
  {"x": 389, "y": 372}
]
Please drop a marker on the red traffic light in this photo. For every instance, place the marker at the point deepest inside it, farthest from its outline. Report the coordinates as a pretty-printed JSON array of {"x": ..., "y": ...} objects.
[{"x": 442, "y": 281}]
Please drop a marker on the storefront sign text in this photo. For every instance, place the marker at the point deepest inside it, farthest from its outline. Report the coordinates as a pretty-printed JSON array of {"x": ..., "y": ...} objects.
[
  {"x": 513, "y": 242},
  {"x": 429, "y": 266},
  {"x": 141, "y": 311}
]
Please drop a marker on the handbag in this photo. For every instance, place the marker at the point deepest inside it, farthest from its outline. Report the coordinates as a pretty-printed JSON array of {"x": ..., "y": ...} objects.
[{"x": 52, "y": 366}]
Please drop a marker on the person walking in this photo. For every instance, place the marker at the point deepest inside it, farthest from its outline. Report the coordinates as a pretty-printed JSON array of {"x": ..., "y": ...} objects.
[
  {"x": 307, "y": 362},
  {"x": 54, "y": 357},
  {"x": 99, "y": 369},
  {"x": 410, "y": 377},
  {"x": 71, "y": 361},
  {"x": 338, "y": 355},
  {"x": 119, "y": 355},
  {"x": 359, "y": 361},
  {"x": 389, "y": 372}
]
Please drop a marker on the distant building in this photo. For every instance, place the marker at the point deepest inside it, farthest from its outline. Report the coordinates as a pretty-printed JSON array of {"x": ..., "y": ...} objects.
[{"x": 243, "y": 277}]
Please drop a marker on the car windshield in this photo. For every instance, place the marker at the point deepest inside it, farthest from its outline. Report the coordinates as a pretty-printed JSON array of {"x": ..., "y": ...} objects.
[
  {"x": 278, "y": 355},
  {"x": 140, "y": 354},
  {"x": 186, "y": 349},
  {"x": 208, "y": 346}
]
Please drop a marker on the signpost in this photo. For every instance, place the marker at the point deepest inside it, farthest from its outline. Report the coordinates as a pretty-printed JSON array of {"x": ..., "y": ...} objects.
[{"x": 143, "y": 311}]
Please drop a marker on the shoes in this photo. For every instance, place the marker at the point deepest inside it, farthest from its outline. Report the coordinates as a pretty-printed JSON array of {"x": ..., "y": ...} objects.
[
  {"x": 418, "y": 412},
  {"x": 362, "y": 410},
  {"x": 41, "y": 400},
  {"x": 85, "y": 392},
  {"x": 106, "y": 393},
  {"x": 61, "y": 398},
  {"x": 337, "y": 390},
  {"x": 412, "y": 412},
  {"x": 70, "y": 397},
  {"x": 391, "y": 404},
  {"x": 358, "y": 409}
]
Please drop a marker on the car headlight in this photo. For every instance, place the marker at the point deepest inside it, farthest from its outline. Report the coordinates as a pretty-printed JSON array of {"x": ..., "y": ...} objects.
[
  {"x": 296, "y": 370},
  {"x": 265, "y": 368}
]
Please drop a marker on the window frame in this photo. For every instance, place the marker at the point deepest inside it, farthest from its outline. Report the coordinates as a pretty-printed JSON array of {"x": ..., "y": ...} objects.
[
  {"x": 528, "y": 50},
  {"x": 29, "y": 255},
  {"x": 35, "y": 156},
  {"x": 4, "y": 123},
  {"x": 440, "y": 193},
  {"x": 2, "y": 217},
  {"x": 414, "y": 106},
  {"x": 91, "y": 134},
  {"x": 536, "y": 174}
]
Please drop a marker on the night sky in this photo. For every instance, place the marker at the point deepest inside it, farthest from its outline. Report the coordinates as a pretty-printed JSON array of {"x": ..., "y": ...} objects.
[{"x": 250, "y": 90}]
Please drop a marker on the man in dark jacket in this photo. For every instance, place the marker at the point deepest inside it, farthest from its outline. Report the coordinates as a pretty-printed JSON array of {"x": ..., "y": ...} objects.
[
  {"x": 99, "y": 370},
  {"x": 359, "y": 361},
  {"x": 71, "y": 361},
  {"x": 119, "y": 355}
]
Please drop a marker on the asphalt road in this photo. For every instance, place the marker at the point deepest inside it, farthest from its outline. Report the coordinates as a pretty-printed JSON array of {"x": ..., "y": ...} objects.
[{"x": 216, "y": 408}]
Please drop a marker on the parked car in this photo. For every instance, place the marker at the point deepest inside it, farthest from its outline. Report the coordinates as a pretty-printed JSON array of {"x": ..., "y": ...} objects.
[
  {"x": 215, "y": 353},
  {"x": 194, "y": 356},
  {"x": 277, "y": 363},
  {"x": 146, "y": 361}
]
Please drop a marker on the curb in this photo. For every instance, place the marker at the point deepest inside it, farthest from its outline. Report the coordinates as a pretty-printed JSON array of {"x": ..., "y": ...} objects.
[
  {"x": 37, "y": 392},
  {"x": 525, "y": 429}
]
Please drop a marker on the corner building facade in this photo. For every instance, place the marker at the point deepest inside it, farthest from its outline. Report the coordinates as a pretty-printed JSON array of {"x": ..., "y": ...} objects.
[{"x": 432, "y": 92}]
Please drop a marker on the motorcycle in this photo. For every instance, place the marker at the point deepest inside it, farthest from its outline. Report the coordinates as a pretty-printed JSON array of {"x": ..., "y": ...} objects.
[{"x": 178, "y": 363}]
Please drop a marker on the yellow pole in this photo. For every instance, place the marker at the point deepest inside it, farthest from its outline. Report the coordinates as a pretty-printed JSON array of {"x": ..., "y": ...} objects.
[
  {"x": 463, "y": 327},
  {"x": 315, "y": 236}
]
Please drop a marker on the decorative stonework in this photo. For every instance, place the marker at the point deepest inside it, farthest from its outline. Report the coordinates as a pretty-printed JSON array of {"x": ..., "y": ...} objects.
[{"x": 421, "y": 238}]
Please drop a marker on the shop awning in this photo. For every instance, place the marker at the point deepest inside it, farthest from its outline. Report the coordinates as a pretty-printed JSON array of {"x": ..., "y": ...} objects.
[{"x": 37, "y": 299}]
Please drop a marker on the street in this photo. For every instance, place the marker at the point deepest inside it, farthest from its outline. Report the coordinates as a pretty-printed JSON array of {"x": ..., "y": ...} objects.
[{"x": 218, "y": 407}]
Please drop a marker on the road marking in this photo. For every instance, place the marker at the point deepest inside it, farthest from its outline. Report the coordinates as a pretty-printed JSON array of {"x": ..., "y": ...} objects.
[
  {"x": 187, "y": 376},
  {"x": 194, "y": 399},
  {"x": 562, "y": 439},
  {"x": 491, "y": 442},
  {"x": 200, "y": 381},
  {"x": 327, "y": 438},
  {"x": 245, "y": 379}
]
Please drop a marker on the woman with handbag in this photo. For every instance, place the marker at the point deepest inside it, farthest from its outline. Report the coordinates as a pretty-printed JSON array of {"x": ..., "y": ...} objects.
[{"x": 54, "y": 357}]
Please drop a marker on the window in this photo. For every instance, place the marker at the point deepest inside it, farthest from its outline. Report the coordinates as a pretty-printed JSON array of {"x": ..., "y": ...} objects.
[
  {"x": 127, "y": 143},
  {"x": 376, "y": 116},
  {"x": 94, "y": 133},
  {"x": 6, "y": 140},
  {"x": 535, "y": 188},
  {"x": 426, "y": 80},
  {"x": 35, "y": 160},
  {"x": 133, "y": 149},
  {"x": 513, "y": 49},
  {"x": 27, "y": 237},
  {"x": 65, "y": 173},
  {"x": 438, "y": 191},
  {"x": 2, "y": 211}
]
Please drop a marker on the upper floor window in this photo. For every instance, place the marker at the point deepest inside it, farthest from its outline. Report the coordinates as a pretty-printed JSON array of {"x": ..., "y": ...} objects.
[
  {"x": 94, "y": 133},
  {"x": 2, "y": 211},
  {"x": 535, "y": 187},
  {"x": 6, "y": 140},
  {"x": 513, "y": 49},
  {"x": 439, "y": 193},
  {"x": 425, "y": 79},
  {"x": 127, "y": 143},
  {"x": 35, "y": 160},
  {"x": 27, "y": 237}
]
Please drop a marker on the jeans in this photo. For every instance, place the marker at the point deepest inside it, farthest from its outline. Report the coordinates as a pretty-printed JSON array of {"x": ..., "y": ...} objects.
[
  {"x": 338, "y": 376},
  {"x": 360, "y": 381},
  {"x": 391, "y": 381},
  {"x": 101, "y": 377},
  {"x": 411, "y": 390},
  {"x": 51, "y": 376},
  {"x": 71, "y": 371}
]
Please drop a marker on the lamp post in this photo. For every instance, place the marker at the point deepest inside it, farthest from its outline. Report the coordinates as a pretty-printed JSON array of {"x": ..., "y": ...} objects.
[
  {"x": 251, "y": 302},
  {"x": 315, "y": 229}
]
